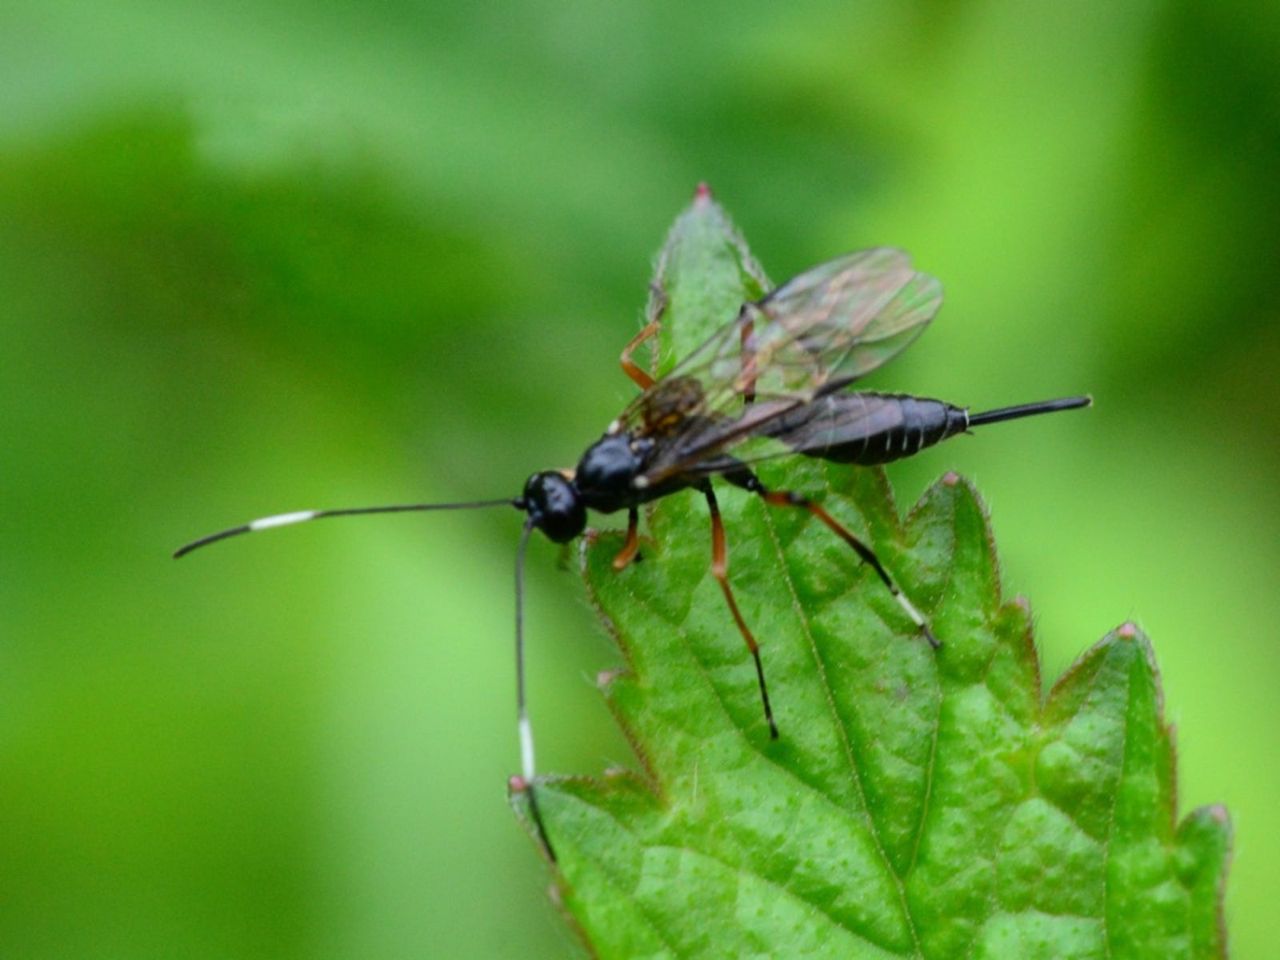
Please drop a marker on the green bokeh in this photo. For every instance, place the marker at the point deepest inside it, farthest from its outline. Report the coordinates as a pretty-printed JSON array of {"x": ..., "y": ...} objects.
[{"x": 269, "y": 256}]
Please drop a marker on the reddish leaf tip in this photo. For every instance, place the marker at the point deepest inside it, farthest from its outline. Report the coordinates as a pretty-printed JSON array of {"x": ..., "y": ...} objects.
[
  {"x": 1128, "y": 630},
  {"x": 517, "y": 784},
  {"x": 950, "y": 478},
  {"x": 703, "y": 193}
]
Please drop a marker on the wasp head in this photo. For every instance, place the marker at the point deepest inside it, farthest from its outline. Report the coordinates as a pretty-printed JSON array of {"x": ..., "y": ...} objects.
[{"x": 554, "y": 505}]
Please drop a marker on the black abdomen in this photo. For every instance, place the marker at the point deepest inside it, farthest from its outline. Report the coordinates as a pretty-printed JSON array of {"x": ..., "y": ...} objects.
[{"x": 868, "y": 428}]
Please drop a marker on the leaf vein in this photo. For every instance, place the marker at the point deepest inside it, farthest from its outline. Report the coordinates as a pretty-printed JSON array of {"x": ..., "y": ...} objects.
[{"x": 829, "y": 694}]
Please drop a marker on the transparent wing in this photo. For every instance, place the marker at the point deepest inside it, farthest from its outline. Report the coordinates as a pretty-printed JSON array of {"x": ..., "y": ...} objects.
[
  {"x": 838, "y": 426},
  {"x": 816, "y": 333},
  {"x": 839, "y": 321}
]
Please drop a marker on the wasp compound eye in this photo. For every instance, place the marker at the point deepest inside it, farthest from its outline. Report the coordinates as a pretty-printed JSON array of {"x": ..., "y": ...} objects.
[{"x": 554, "y": 506}]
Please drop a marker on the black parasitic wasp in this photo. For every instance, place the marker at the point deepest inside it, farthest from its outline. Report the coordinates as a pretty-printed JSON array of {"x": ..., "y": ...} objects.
[{"x": 769, "y": 383}]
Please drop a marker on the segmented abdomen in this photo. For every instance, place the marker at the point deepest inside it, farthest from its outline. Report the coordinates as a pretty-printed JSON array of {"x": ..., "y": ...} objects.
[{"x": 868, "y": 428}]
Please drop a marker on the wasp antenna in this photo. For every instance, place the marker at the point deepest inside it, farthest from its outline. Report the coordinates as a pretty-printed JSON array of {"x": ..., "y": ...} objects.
[
  {"x": 525, "y": 728},
  {"x": 303, "y": 516},
  {"x": 1029, "y": 410}
]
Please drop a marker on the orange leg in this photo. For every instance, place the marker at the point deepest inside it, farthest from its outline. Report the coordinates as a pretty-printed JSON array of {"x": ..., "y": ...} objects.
[
  {"x": 785, "y": 498},
  {"x": 720, "y": 570},
  {"x": 643, "y": 380},
  {"x": 632, "y": 544}
]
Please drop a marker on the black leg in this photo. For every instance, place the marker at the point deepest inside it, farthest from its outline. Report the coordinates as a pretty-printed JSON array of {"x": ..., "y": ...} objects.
[
  {"x": 747, "y": 377},
  {"x": 786, "y": 498},
  {"x": 720, "y": 570}
]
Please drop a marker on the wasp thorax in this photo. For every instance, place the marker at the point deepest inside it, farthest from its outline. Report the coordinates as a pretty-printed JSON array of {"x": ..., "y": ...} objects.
[
  {"x": 554, "y": 506},
  {"x": 609, "y": 466}
]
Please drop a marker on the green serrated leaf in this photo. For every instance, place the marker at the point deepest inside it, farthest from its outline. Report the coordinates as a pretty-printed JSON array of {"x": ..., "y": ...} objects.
[
  {"x": 918, "y": 803},
  {"x": 703, "y": 276}
]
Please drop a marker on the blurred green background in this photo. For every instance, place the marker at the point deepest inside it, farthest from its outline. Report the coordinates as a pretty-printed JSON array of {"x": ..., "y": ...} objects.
[{"x": 258, "y": 257}]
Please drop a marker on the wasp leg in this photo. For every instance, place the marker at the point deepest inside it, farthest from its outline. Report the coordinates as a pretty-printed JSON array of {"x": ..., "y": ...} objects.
[
  {"x": 787, "y": 498},
  {"x": 632, "y": 544},
  {"x": 657, "y": 305},
  {"x": 643, "y": 380},
  {"x": 747, "y": 322},
  {"x": 720, "y": 570}
]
